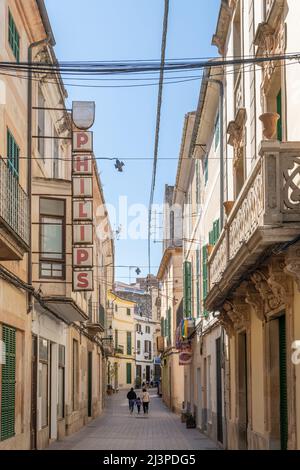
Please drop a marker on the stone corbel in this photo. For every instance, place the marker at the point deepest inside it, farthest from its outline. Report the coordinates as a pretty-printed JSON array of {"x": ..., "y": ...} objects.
[
  {"x": 226, "y": 322},
  {"x": 292, "y": 263},
  {"x": 264, "y": 39},
  {"x": 238, "y": 312},
  {"x": 235, "y": 130}
]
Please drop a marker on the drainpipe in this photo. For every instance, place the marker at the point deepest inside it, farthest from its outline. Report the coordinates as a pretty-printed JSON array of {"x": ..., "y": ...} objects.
[
  {"x": 29, "y": 157},
  {"x": 221, "y": 117}
]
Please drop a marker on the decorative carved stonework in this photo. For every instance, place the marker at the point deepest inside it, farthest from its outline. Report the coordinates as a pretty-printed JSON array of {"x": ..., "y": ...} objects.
[
  {"x": 226, "y": 322},
  {"x": 238, "y": 312},
  {"x": 236, "y": 131},
  {"x": 272, "y": 286},
  {"x": 254, "y": 299},
  {"x": 292, "y": 263}
]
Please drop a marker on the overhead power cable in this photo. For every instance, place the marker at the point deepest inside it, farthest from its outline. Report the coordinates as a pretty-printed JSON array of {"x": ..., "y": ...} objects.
[{"x": 158, "y": 116}]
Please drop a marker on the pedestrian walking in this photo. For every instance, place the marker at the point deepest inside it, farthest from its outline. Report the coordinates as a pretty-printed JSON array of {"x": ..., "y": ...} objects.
[
  {"x": 138, "y": 403},
  {"x": 146, "y": 401},
  {"x": 131, "y": 395}
]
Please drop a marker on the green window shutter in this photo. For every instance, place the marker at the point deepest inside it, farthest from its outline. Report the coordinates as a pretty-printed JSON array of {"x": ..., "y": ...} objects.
[
  {"x": 279, "y": 111},
  {"x": 8, "y": 384},
  {"x": 13, "y": 37},
  {"x": 283, "y": 384},
  {"x": 13, "y": 153},
  {"x": 198, "y": 281},
  {"x": 166, "y": 325},
  {"x": 216, "y": 231},
  {"x": 162, "y": 326},
  {"x": 204, "y": 275},
  {"x": 128, "y": 373},
  {"x": 187, "y": 299},
  {"x": 211, "y": 237},
  {"x": 116, "y": 339},
  {"x": 129, "y": 346},
  {"x": 169, "y": 324}
]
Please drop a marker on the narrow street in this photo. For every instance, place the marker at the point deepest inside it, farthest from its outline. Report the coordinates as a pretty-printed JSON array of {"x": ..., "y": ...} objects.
[{"x": 117, "y": 429}]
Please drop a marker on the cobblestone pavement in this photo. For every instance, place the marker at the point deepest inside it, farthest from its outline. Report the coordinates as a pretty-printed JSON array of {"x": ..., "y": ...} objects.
[{"x": 116, "y": 429}]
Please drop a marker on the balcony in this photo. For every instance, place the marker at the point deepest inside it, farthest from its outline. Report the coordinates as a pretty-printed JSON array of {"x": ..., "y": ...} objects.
[
  {"x": 14, "y": 216},
  {"x": 119, "y": 349},
  {"x": 266, "y": 213}
]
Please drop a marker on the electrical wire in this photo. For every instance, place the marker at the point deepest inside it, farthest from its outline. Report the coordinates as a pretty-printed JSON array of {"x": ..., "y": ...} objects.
[{"x": 158, "y": 116}]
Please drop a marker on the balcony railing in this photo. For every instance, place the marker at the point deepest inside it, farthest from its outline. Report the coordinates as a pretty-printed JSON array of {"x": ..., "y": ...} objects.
[
  {"x": 267, "y": 212},
  {"x": 14, "y": 204},
  {"x": 119, "y": 349}
]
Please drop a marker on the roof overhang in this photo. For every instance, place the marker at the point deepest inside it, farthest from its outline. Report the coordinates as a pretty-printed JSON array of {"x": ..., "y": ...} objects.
[{"x": 168, "y": 253}]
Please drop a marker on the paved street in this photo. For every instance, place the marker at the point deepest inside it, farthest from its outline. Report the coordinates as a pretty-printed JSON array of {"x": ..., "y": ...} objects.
[{"x": 117, "y": 429}]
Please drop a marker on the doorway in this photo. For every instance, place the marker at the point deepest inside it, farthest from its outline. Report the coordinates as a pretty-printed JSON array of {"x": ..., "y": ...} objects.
[
  {"x": 219, "y": 389},
  {"x": 33, "y": 420},
  {"x": 90, "y": 382},
  {"x": 147, "y": 374},
  {"x": 242, "y": 390}
]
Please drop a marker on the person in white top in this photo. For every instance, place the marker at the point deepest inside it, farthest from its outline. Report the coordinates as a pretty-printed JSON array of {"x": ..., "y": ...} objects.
[{"x": 146, "y": 401}]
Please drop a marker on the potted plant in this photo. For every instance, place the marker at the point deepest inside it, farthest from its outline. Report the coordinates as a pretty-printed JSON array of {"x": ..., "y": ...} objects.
[
  {"x": 269, "y": 121},
  {"x": 209, "y": 249}
]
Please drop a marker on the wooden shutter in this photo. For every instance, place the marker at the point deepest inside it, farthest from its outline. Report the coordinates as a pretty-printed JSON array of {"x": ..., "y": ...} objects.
[
  {"x": 187, "y": 275},
  {"x": 129, "y": 343},
  {"x": 8, "y": 384},
  {"x": 279, "y": 111},
  {"x": 198, "y": 281}
]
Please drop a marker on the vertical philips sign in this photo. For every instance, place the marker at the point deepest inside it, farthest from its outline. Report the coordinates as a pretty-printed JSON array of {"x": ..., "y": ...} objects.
[{"x": 82, "y": 191}]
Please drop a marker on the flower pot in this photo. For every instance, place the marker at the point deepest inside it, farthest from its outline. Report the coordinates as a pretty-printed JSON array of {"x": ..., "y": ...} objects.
[
  {"x": 228, "y": 205},
  {"x": 269, "y": 121},
  {"x": 209, "y": 249}
]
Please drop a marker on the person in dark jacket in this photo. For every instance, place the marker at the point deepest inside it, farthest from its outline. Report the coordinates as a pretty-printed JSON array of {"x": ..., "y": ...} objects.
[{"x": 131, "y": 395}]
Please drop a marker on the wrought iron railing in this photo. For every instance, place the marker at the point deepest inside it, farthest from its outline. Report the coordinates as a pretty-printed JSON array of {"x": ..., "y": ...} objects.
[{"x": 14, "y": 203}]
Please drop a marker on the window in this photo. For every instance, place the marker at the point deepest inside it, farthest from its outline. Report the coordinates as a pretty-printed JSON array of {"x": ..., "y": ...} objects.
[
  {"x": 13, "y": 154},
  {"x": 217, "y": 132},
  {"x": 13, "y": 37},
  {"x": 128, "y": 312},
  {"x": 61, "y": 382},
  {"x": 55, "y": 155},
  {"x": 43, "y": 385},
  {"x": 75, "y": 376},
  {"x": 41, "y": 123},
  {"x": 52, "y": 228},
  {"x": 8, "y": 387},
  {"x": 128, "y": 373},
  {"x": 116, "y": 307},
  {"x": 138, "y": 347},
  {"x": 116, "y": 338},
  {"x": 129, "y": 343},
  {"x": 147, "y": 329},
  {"x": 148, "y": 349},
  {"x": 187, "y": 282},
  {"x": 138, "y": 328}
]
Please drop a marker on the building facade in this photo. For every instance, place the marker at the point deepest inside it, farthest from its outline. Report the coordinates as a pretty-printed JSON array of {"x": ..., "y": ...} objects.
[
  {"x": 252, "y": 269},
  {"x": 52, "y": 374},
  {"x": 121, "y": 368},
  {"x": 170, "y": 278}
]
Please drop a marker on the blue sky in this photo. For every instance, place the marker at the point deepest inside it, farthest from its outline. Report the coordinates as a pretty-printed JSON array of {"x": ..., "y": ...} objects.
[{"x": 125, "y": 117}]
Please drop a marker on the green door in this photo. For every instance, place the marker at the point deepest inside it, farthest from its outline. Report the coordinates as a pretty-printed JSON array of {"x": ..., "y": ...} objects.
[
  {"x": 128, "y": 373},
  {"x": 8, "y": 384},
  {"x": 283, "y": 384}
]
